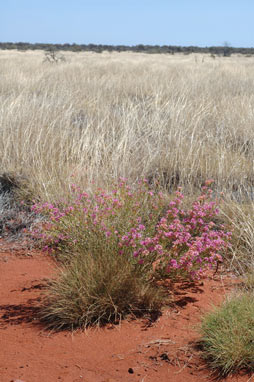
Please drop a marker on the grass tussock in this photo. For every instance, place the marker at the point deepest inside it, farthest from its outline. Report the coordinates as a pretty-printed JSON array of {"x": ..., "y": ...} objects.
[
  {"x": 227, "y": 336},
  {"x": 95, "y": 289}
]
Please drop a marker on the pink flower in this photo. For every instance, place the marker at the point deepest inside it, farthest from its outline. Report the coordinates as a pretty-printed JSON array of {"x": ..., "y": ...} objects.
[{"x": 173, "y": 263}]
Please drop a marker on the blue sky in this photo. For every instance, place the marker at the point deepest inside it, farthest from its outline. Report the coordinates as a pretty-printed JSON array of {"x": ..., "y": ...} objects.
[{"x": 129, "y": 22}]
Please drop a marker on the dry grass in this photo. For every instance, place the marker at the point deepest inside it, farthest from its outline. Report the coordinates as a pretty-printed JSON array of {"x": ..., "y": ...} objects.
[
  {"x": 240, "y": 216},
  {"x": 180, "y": 119},
  {"x": 96, "y": 289},
  {"x": 109, "y": 115}
]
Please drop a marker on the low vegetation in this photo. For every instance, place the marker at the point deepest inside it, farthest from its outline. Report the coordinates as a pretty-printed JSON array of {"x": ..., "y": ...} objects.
[
  {"x": 72, "y": 130},
  {"x": 227, "y": 336},
  {"x": 116, "y": 245}
]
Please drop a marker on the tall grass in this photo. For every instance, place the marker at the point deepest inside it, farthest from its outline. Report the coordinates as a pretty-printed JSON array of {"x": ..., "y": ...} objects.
[
  {"x": 177, "y": 120},
  {"x": 98, "y": 117},
  {"x": 240, "y": 216}
]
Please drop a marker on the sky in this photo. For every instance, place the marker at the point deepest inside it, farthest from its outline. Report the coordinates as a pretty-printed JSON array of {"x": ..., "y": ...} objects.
[{"x": 129, "y": 22}]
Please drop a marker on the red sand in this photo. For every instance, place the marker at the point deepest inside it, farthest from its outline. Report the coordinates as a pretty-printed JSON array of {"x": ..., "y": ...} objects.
[{"x": 135, "y": 351}]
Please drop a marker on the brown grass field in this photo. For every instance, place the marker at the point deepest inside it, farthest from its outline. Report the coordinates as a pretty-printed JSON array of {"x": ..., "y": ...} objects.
[{"x": 183, "y": 118}]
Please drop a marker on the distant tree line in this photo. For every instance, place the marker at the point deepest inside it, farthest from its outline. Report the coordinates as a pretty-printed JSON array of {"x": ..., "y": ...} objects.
[{"x": 225, "y": 50}]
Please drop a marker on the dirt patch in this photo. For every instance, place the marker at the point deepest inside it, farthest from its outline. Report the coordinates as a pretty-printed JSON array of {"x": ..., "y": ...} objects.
[{"x": 135, "y": 351}]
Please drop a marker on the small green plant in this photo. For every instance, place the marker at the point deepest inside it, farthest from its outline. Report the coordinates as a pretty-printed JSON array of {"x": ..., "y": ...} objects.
[{"x": 228, "y": 336}]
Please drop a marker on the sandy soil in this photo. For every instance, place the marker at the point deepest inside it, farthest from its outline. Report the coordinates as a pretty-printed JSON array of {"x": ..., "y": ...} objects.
[{"x": 135, "y": 351}]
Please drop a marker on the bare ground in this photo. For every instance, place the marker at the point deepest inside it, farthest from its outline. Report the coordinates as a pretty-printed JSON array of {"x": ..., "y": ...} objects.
[{"x": 135, "y": 351}]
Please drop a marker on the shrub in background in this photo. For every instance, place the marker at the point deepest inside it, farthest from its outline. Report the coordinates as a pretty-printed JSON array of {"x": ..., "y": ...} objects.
[{"x": 53, "y": 56}]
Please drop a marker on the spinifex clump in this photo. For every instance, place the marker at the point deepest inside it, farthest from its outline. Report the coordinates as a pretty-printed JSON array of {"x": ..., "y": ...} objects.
[
  {"x": 227, "y": 336},
  {"x": 116, "y": 244}
]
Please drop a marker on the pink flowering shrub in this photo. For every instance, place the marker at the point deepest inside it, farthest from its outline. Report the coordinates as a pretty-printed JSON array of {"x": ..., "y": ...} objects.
[
  {"x": 185, "y": 242},
  {"x": 135, "y": 223},
  {"x": 100, "y": 220}
]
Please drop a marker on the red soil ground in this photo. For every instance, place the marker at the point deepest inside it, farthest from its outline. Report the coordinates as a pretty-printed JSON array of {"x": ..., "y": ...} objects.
[{"x": 135, "y": 351}]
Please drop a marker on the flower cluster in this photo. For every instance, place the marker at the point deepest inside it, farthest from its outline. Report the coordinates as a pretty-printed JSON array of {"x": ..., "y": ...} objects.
[
  {"x": 185, "y": 241},
  {"x": 101, "y": 219},
  {"x": 138, "y": 223}
]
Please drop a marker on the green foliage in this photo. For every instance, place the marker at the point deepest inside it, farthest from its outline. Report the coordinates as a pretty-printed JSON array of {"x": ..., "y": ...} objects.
[
  {"x": 225, "y": 50},
  {"x": 228, "y": 336}
]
